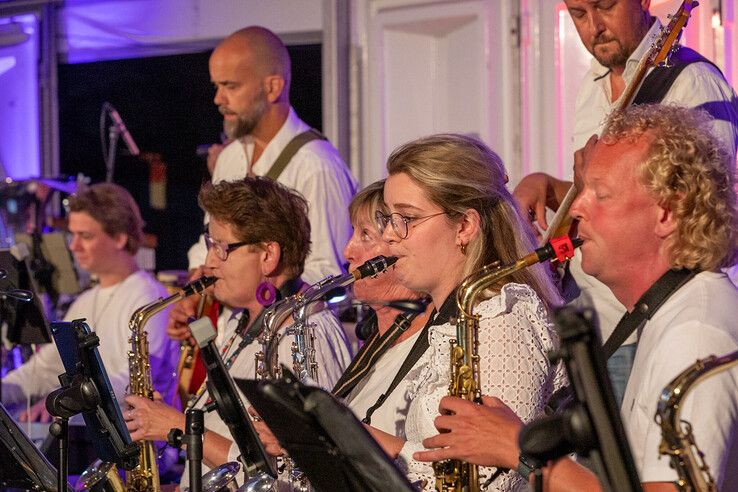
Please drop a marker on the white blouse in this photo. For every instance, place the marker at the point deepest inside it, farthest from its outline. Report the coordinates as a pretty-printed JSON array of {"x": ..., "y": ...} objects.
[{"x": 515, "y": 337}]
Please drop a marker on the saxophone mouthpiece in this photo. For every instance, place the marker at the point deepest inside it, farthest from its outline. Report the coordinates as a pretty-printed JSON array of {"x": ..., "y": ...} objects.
[
  {"x": 559, "y": 249},
  {"x": 198, "y": 285},
  {"x": 373, "y": 267}
]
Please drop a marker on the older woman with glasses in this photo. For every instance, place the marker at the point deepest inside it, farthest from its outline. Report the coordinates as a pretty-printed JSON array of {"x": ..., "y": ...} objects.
[
  {"x": 367, "y": 386},
  {"x": 448, "y": 214},
  {"x": 258, "y": 238}
]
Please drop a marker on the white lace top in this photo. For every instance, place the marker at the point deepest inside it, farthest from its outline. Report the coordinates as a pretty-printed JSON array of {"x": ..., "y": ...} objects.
[{"x": 514, "y": 338}]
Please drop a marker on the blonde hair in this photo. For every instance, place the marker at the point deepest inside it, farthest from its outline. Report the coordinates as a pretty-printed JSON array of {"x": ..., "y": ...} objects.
[
  {"x": 459, "y": 173},
  {"x": 687, "y": 171},
  {"x": 367, "y": 201}
]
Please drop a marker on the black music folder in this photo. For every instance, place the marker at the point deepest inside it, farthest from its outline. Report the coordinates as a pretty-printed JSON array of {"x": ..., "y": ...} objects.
[
  {"x": 21, "y": 464},
  {"x": 323, "y": 436}
]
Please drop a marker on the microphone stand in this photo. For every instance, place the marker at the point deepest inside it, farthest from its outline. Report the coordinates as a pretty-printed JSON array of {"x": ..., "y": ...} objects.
[{"x": 113, "y": 136}]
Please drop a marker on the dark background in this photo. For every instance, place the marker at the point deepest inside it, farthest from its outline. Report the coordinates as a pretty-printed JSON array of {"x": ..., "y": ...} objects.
[{"x": 167, "y": 104}]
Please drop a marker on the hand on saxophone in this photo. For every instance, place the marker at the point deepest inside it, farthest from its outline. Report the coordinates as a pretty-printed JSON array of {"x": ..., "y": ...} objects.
[
  {"x": 151, "y": 420},
  {"x": 485, "y": 435},
  {"x": 182, "y": 312}
]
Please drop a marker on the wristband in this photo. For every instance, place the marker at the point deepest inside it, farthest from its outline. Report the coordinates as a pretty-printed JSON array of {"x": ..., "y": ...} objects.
[{"x": 526, "y": 466}]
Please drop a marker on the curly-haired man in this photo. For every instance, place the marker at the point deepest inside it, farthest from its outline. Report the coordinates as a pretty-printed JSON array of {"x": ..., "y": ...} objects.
[{"x": 657, "y": 200}]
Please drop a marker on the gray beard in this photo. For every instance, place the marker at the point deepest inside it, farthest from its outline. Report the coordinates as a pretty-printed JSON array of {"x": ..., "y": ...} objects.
[{"x": 244, "y": 124}]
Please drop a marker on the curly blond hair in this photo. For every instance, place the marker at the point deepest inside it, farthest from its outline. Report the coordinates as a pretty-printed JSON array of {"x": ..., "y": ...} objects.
[{"x": 687, "y": 171}]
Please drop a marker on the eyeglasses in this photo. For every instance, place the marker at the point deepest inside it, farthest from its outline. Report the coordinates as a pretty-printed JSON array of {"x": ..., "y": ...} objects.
[
  {"x": 399, "y": 222},
  {"x": 223, "y": 249}
]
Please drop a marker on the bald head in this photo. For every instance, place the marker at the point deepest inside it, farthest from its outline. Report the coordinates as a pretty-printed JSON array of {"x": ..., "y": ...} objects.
[
  {"x": 251, "y": 73},
  {"x": 261, "y": 49}
]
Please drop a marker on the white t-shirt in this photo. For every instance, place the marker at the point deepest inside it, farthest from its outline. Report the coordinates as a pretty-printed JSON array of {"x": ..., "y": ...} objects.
[
  {"x": 698, "y": 320},
  {"x": 514, "y": 340},
  {"x": 318, "y": 173},
  {"x": 108, "y": 311},
  {"x": 699, "y": 84},
  {"x": 390, "y": 417},
  {"x": 332, "y": 354}
]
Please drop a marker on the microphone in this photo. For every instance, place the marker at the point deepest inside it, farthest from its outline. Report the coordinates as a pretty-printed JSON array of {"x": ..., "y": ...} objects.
[
  {"x": 3, "y": 273},
  {"x": 115, "y": 116}
]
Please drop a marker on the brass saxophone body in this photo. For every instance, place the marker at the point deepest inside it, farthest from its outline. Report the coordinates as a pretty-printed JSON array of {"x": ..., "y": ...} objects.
[
  {"x": 304, "y": 365},
  {"x": 465, "y": 381},
  {"x": 677, "y": 441},
  {"x": 300, "y": 306},
  {"x": 145, "y": 477}
]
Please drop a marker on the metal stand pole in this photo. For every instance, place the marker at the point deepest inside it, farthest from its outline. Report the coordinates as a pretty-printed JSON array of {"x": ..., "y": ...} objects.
[
  {"x": 60, "y": 430},
  {"x": 113, "y": 134},
  {"x": 194, "y": 428}
]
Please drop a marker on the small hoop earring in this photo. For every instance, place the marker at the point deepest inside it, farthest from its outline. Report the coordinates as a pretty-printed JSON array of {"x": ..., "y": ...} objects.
[
  {"x": 463, "y": 248},
  {"x": 266, "y": 294}
]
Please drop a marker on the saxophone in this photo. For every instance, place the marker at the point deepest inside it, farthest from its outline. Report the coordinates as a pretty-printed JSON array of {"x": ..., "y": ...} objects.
[
  {"x": 145, "y": 477},
  {"x": 677, "y": 440},
  {"x": 300, "y": 306},
  {"x": 304, "y": 365},
  {"x": 457, "y": 475}
]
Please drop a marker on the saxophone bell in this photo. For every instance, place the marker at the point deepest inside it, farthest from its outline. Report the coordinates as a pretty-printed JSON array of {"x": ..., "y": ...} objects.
[{"x": 677, "y": 441}]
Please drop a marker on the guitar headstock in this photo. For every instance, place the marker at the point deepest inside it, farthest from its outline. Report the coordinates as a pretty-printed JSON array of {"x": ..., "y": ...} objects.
[{"x": 670, "y": 34}]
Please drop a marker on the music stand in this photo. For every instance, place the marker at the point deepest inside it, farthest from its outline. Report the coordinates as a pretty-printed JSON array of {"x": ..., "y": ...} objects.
[
  {"x": 26, "y": 321},
  {"x": 323, "y": 436},
  {"x": 105, "y": 426},
  {"x": 23, "y": 465},
  {"x": 592, "y": 426},
  {"x": 53, "y": 249}
]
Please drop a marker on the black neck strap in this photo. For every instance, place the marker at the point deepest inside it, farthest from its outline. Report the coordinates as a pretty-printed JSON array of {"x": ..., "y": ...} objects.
[
  {"x": 646, "y": 307},
  {"x": 448, "y": 310},
  {"x": 370, "y": 353}
]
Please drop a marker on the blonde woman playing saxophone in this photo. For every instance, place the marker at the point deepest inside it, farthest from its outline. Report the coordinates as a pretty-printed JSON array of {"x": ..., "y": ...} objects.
[{"x": 449, "y": 213}]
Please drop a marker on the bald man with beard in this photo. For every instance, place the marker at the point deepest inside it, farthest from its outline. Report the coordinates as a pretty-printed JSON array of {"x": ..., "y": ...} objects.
[{"x": 251, "y": 72}]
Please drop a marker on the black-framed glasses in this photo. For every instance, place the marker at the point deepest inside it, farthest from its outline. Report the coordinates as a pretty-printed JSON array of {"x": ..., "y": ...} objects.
[
  {"x": 400, "y": 223},
  {"x": 223, "y": 249}
]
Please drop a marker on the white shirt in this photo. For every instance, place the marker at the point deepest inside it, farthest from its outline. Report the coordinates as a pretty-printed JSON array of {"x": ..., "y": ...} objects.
[
  {"x": 390, "y": 417},
  {"x": 331, "y": 353},
  {"x": 318, "y": 173},
  {"x": 698, "y": 84},
  {"x": 108, "y": 311},
  {"x": 699, "y": 319},
  {"x": 514, "y": 340}
]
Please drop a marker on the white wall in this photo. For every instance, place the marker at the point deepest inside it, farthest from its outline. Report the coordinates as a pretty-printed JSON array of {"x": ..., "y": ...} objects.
[{"x": 423, "y": 67}]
